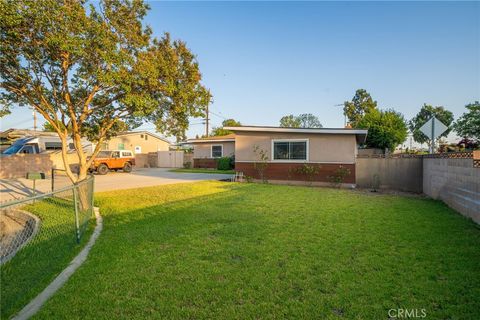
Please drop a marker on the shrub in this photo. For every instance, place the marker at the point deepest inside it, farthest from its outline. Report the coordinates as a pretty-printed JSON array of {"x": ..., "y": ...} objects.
[
  {"x": 187, "y": 165},
  {"x": 309, "y": 172},
  {"x": 339, "y": 176},
  {"x": 224, "y": 163},
  {"x": 262, "y": 163}
]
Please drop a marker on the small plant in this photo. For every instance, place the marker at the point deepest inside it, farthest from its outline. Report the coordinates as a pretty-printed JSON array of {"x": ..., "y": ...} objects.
[
  {"x": 339, "y": 176},
  {"x": 262, "y": 163},
  {"x": 187, "y": 165},
  {"x": 308, "y": 172},
  {"x": 223, "y": 163},
  {"x": 249, "y": 179}
]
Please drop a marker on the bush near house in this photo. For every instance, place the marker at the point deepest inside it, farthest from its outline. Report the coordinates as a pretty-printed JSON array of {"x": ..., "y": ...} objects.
[{"x": 224, "y": 163}]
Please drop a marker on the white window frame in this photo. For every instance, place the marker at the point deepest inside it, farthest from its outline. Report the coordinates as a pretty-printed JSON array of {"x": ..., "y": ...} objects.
[
  {"x": 291, "y": 140},
  {"x": 211, "y": 150}
]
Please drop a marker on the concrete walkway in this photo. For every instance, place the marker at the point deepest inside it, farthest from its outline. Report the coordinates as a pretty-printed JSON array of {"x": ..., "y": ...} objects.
[{"x": 142, "y": 177}]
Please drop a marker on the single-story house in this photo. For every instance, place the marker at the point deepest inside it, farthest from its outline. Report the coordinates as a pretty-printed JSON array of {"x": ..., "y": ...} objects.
[
  {"x": 286, "y": 150},
  {"x": 138, "y": 142},
  {"x": 207, "y": 150}
]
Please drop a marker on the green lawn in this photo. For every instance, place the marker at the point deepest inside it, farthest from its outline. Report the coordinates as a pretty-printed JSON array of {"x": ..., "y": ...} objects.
[
  {"x": 199, "y": 170},
  {"x": 43, "y": 258},
  {"x": 214, "y": 250}
]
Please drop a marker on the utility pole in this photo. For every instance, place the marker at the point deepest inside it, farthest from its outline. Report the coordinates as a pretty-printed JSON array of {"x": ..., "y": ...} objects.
[
  {"x": 34, "y": 121},
  {"x": 207, "y": 119}
]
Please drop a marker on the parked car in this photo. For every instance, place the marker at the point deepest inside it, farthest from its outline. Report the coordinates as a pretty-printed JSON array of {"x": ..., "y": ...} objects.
[
  {"x": 113, "y": 160},
  {"x": 40, "y": 144}
]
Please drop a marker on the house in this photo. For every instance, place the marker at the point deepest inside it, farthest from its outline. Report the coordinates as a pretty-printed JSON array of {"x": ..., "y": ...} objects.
[
  {"x": 207, "y": 150},
  {"x": 331, "y": 152},
  {"x": 138, "y": 142}
]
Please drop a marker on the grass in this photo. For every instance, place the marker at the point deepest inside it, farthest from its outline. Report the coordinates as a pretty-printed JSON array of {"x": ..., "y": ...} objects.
[
  {"x": 43, "y": 258},
  {"x": 213, "y": 250},
  {"x": 199, "y": 170}
]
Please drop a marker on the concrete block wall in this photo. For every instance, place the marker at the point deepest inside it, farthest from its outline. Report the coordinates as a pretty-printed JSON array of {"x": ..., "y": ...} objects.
[
  {"x": 454, "y": 181},
  {"x": 17, "y": 166}
]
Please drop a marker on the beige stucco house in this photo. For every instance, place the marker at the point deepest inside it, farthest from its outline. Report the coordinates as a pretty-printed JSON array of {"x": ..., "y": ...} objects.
[
  {"x": 138, "y": 142},
  {"x": 207, "y": 150},
  {"x": 288, "y": 149}
]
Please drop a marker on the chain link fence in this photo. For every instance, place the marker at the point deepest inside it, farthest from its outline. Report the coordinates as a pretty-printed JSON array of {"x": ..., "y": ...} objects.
[{"x": 39, "y": 237}]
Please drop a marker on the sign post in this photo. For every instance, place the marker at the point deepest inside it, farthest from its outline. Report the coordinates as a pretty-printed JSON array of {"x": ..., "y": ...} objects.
[
  {"x": 433, "y": 129},
  {"x": 34, "y": 176}
]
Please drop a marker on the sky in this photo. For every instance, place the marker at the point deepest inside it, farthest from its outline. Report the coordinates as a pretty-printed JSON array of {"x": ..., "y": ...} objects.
[{"x": 264, "y": 60}]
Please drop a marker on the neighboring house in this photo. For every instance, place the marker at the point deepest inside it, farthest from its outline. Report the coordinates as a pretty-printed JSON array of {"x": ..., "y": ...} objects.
[
  {"x": 138, "y": 142},
  {"x": 207, "y": 150},
  {"x": 288, "y": 149}
]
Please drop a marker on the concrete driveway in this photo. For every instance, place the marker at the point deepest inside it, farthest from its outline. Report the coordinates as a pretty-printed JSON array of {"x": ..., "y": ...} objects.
[{"x": 143, "y": 177}]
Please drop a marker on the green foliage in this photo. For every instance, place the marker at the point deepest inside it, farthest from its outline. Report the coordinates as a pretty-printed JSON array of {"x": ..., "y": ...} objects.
[
  {"x": 339, "y": 176},
  {"x": 96, "y": 69},
  {"x": 289, "y": 121},
  {"x": 47, "y": 127},
  {"x": 224, "y": 163},
  {"x": 425, "y": 113},
  {"x": 304, "y": 120},
  {"x": 219, "y": 131},
  {"x": 308, "y": 172},
  {"x": 386, "y": 129},
  {"x": 261, "y": 162},
  {"x": 361, "y": 104},
  {"x": 468, "y": 125}
]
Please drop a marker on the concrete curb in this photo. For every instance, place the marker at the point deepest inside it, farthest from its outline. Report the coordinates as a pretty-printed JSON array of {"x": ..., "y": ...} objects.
[{"x": 33, "y": 306}]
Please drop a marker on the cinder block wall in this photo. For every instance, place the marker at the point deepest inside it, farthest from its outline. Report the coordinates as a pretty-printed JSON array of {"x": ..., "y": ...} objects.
[
  {"x": 404, "y": 174},
  {"x": 17, "y": 166},
  {"x": 454, "y": 181}
]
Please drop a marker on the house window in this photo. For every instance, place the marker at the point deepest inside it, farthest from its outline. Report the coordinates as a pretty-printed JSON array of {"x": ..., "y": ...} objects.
[
  {"x": 217, "y": 151},
  {"x": 290, "y": 149},
  {"x": 146, "y": 137}
]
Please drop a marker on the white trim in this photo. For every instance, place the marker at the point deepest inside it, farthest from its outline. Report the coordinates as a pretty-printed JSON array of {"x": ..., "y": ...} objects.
[
  {"x": 211, "y": 150},
  {"x": 213, "y": 140},
  {"x": 290, "y": 160},
  {"x": 299, "y": 130}
]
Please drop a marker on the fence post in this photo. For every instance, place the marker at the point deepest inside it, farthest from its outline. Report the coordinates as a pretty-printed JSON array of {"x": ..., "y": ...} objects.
[
  {"x": 53, "y": 179},
  {"x": 77, "y": 223}
]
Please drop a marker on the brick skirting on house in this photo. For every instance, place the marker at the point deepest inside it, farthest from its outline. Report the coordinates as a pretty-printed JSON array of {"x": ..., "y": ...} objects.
[
  {"x": 289, "y": 171},
  {"x": 209, "y": 163}
]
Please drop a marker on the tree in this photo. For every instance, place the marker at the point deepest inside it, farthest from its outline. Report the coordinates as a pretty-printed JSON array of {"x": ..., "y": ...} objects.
[
  {"x": 468, "y": 125},
  {"x": 386, "y": 129},
  {"x": 426, "y": 112},
  {"x": 308, "y": 120},
  {"x": 92, "y": 70},
  {"x": 47, "y": 127},
  {"x": 304, "y": 120},
  {"x": 289, "y": 121},
  {"x": 361, "y": 104},
  {"x": 219, "y": 131}
]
